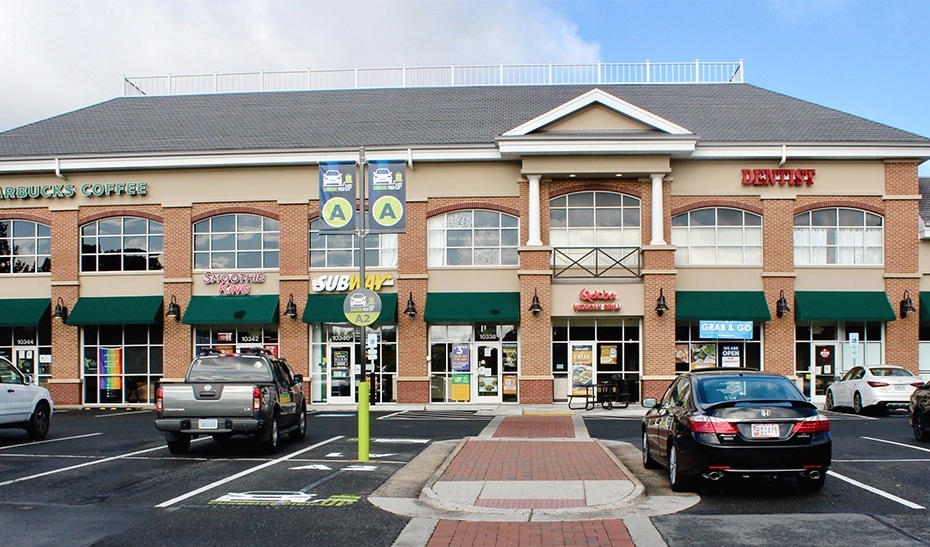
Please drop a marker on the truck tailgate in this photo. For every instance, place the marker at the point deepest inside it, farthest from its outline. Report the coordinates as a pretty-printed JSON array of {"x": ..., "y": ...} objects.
[{"x": 195, "y": 400}]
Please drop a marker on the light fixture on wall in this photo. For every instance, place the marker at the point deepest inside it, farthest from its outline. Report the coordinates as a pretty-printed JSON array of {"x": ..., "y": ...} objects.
[
  {"x": 174, "y": 310},
  {"x": 535, "y": 307},
  {"x": 411, "y": 309},
  {"x": 291, "y": 309},
  {"x": 781, "y": 307},
  {"x": 61, "y": 311},
  {"x": 661, "y": 305},
  {"x": 907, "y": 305}
]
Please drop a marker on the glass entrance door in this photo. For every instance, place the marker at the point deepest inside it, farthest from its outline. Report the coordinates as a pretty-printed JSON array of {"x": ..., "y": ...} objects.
[
  {"x": 487, "y": 364},
  {"x": 341, "y": 385},
  {"x": 824, "y": 370},
  {"x": 25, "y": 359}
]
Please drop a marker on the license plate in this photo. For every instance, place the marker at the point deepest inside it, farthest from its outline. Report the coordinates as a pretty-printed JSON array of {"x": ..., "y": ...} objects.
[
  {"x": 207, "y": 423},
  {"x": 901, "y": 387},
  {"x": 765, "y": 431}
]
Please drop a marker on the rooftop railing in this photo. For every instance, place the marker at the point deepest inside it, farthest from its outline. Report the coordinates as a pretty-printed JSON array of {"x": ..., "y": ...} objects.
[{"x": 438, "y": 76}]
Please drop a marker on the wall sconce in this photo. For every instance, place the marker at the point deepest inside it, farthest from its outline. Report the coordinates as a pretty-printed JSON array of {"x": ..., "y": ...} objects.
[
  {"x": 781, "y": 307},
  {"x": 411, "y": 309},
  {"x": 174, "y": 310},
  {"x": 61, "y": 311},
  {"x": 661, "y": 306},
  {"x": 907, "y": 305},
  {"x": 535, "y": 308},
  {"x": 291, "y": 309}
]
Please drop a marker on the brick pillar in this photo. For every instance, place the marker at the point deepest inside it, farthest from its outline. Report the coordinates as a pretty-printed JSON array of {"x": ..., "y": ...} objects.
[
  {"x": 293, "y": 334},
  {"x": 777, "y": 276},
  {"x": 658, "y": 277},
  {"x": 535, "y": 362},
  {"x": 179, "y": 344},
  {"x": 412, "y": 336},
  {"x": 65, "y": 385}
]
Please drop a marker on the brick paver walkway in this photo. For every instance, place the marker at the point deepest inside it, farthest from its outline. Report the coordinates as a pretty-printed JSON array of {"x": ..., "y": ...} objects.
[
  {"x": 532, "y": 461},
  {"x": 535, "y": 427},
  {"x": 477, "y": 534}
]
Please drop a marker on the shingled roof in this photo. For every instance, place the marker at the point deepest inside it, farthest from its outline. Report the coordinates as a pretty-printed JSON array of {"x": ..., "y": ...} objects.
[{"x": 409, "y": 117}]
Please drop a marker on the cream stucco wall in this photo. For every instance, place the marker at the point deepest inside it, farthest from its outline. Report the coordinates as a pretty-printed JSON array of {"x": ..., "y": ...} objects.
[
  {"x": 472, "y": 280},
  {"x": 722, "y": 178},
  {"x": 629, "y": 296},
  {"x": 718, "y": 279},
  {"x": 597, "y": 118},
  {"x": 839, "y": 279}
]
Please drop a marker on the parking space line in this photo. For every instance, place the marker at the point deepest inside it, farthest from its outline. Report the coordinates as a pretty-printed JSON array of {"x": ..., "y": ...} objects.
[
  {"x": 241, "y": 474},
  {"x": 33, "y": 443},
  {"x": 123, "y": 413},
  {"x": 874, "y": 490},
  {"x": 80, "y": 465},
  {"x": 391, "y": 414},
  {"x": 897, "y": 444}
]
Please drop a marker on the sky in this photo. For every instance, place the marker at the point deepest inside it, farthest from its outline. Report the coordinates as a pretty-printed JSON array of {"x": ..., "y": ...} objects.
[{"x": 865, "y": 57}]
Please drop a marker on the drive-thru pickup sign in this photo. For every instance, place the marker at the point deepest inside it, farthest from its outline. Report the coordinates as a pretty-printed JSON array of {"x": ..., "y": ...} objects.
[{"x": 362, "y": 307}]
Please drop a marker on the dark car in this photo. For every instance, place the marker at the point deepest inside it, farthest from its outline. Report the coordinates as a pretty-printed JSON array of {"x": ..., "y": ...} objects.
[
  {"x": 919, "y": 409},
  {"x": 726, "y": 422}
]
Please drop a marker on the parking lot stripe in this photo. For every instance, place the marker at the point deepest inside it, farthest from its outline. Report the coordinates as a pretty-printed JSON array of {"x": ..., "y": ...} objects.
[
  {"x": 249, "y": 471},
  {"x": 80, "y": 465},
  {"x": 874, "y": 490},
  {"x": 33, "y": 443},
  {"x": 897, "y": 444}
]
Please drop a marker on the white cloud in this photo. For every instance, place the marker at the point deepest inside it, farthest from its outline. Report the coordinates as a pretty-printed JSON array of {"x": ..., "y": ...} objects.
[{"x": 61, "y": 55}]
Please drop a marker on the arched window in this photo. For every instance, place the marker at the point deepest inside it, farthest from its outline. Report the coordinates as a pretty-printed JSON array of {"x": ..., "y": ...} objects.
[
  {"x": 838, "y": 235},
  {"x": 717, "y": 235},
  {"x": 238, "y": 240},
  {"x": 606, "y": 221},
  {"x": 122, "y": 244},
  {"x": 25, "y": 247},
  {"x": 473, "y": 237},
  {"x": 341, "y": 250}
]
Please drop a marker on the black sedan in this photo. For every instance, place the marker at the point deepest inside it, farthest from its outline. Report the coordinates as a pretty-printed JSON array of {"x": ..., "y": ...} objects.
[
  {"x": 725, "y": 422},
  {"x": 919, "y": 410}
]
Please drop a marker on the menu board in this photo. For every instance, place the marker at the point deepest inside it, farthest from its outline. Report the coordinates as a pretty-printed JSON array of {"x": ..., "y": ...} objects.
[{"x": 582, "y": 361}]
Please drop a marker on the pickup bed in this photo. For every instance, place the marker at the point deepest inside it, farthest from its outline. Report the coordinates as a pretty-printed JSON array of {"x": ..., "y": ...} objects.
[{"x": 252, "y": 394}]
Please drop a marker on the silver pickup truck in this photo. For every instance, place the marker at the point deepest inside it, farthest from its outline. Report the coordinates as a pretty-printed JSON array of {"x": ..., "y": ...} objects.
[{"x": 250, "y": 393}]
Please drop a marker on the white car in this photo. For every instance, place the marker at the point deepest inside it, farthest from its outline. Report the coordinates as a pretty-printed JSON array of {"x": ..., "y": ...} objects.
[
  {"x": 332, "y": 178},
  {"x": 876, "y": 386},
  {"x": 382, "y": 175},
  {"x": 23, "y": 405}
]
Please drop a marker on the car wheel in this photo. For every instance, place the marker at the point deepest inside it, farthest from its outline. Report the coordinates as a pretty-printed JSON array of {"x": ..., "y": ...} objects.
[
  {"x": 648, "y": 462},
  {"x": 39, "y": 422},
  {"x": 807, "y": 484},
  {"x": 829, "y": 404},
  {"x": 179, "y": 445},
  {"x": 857, "y": 403},
  {"x": 301, "y": 431},
  {"x": 675, "y": 479},
  {"x": 919, "y": 433},
  {"x": 271, "y": 442}
]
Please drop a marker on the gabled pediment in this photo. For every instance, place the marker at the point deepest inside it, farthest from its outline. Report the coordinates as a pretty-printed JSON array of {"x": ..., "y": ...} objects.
[{"x": 597, "y": 112}]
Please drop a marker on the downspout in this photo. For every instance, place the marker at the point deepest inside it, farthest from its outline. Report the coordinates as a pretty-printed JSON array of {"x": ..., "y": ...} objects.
[
  {"x": 784, "y": 155},
  {"x": 58, "y": 172},
  {"x": 410, "y": 158}
]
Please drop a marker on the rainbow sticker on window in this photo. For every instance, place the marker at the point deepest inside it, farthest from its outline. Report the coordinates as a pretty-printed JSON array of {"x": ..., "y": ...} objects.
[{"x": 111, "y": 368}]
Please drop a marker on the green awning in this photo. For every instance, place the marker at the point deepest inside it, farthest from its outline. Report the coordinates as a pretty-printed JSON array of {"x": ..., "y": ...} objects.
[
  {"x": 116, "y": 310},
  {"x": 22, "y": 312},
  {"x": 842, "y": 306},
  {"x": 472, "y": 307},
  {"x": 232, "y": 310},
  {"x": 924, "y": 308},
  {"x": 721, "y": 305},
  {"x": 328, "y": 308}
]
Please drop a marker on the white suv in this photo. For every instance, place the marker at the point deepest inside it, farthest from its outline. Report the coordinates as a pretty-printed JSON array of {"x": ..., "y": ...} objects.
[{"x": 23, "y": 404}]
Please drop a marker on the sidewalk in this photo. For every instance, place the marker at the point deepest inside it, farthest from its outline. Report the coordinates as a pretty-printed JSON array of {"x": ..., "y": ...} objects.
[{"x": 530, "y": 478}]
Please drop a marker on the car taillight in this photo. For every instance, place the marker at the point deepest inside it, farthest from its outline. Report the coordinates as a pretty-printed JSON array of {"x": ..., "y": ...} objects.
[
  {"x": 917, "y": 384},
  {"x": 710, "y": 424},
  {"x": 256, "y": 399},
  {"x": 814, "y": 424},
  {"x": 873, "y": 383},
  {"x": 159, "y": 400}
]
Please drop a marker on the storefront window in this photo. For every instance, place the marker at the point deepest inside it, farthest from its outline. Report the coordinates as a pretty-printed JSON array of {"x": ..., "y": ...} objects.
[
  {"x": 121, "y": 364},
  {"x": 342, "y": 250},
  {"x": 602, "y": 350},
  {"x": 692, "y": 351},
  {"x": 473, "y": 238},
  {"x": 715, "y": 236},
  {"x": 838, "y": 236},
  {"x": 30, "y": 349},
  {"x": 25, "y": 247},
  {"x": 234, "y": 339},
  {"x": 337, "y": 354},
  {"x": 824, "y": 351},
  {"x": 474, "y": 363},
  {"x": 122, "y": 244}
]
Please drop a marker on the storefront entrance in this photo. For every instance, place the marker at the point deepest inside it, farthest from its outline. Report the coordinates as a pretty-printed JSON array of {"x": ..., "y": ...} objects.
[
  {"x": 824, "y": 370},
  {"x": 25, "y": 360},
  {"x": 486, "y": 364},
  {"x": 341, "y": 374}
]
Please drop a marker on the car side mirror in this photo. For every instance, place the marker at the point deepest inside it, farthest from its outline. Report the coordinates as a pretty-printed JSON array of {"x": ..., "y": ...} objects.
[
  {"x": 650, "y": 402},
  {"x": 27, "y": 379},
  {"x": 837, "y": 378},
  {"x": 298, "y": 378}
]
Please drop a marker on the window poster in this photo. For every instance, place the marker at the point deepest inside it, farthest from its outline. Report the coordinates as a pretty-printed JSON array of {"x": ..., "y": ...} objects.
[
  {"x": 461, "y": 387},
  {"x": 608, "y": 355},
  {"x": 461, "y": 358},
  {"x": 110, "y": 363},
  {"x": 582, "y": 361},
  {"x": 510, "y": 357},
  {"x": 729, "y": 355}
]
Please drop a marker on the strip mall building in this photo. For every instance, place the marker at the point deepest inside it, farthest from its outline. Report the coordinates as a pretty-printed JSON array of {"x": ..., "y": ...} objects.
[{"x": 554, "y": 234}]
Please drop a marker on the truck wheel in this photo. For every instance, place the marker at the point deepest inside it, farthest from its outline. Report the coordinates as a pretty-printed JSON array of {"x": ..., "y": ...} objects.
[
  {"x": 301, "y": 431},
  {"x": 271, "y": 442},
  {"x": 180, "y": 444},
  {"x": 38, "y": 425}
]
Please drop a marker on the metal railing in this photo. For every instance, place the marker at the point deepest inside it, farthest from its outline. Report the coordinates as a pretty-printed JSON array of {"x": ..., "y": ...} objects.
[
  {"x": 438, "y": 76},
  {"x": 597, "y": 262}
]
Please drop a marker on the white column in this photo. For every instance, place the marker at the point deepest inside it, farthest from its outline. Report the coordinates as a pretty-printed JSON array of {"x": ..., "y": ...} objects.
[
  {"x": 533, "y": 236},
  {"x": 658, "y": 212}
]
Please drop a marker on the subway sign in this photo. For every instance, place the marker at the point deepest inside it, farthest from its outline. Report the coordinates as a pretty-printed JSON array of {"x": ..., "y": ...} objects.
[{"x": 56, "y": 191}]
